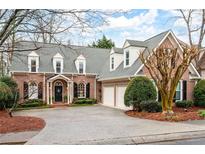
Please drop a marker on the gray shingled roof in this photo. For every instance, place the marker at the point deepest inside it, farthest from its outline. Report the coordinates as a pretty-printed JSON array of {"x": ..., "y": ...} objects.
[
  {"x": 97, "y": 60},
  {"x": 95, "y": 57},
  {"x": 118, "y": 50},
  {"x": 120, "y": 71}
]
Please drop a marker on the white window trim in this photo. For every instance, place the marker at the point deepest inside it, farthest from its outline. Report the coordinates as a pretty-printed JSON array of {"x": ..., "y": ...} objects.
[
  {"x": 82, "y": 59},
  {"x": 61, "y": 66},
  {"x": 181, "y": 91},
  {"x": 111, "y": 69},
  {"x": 125, "y": 65},
  {"x": 84, "y": 90},
  {"x": 30, "y": 58}
]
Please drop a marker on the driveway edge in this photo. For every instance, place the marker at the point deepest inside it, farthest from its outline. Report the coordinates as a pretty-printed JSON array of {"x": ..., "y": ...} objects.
[{"x": 17, "y": 137}]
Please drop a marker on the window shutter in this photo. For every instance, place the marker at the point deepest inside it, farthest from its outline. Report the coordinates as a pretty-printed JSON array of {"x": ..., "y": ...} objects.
[
  {"x": 75, "y": 90},
  {"x": 159, "y": 97},
  {"x": 87, "y": 90},
  {"x": 40, "y": 90},
  {"x": 184, "y": 90},
  {"x": 25, "y": 90}
]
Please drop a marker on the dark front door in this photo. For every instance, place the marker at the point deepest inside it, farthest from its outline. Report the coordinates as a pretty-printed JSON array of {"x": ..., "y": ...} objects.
[{"x": 58, "y": 93}]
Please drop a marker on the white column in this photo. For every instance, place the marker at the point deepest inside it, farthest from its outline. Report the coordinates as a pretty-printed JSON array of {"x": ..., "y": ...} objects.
[
  {"x": 71, "y": 92},
  {"x": 47, "y": 90},
  {"x": 68, "y": 91},
  {"x": 51, "y": 93},
  {"x": 44, "y": 88}
]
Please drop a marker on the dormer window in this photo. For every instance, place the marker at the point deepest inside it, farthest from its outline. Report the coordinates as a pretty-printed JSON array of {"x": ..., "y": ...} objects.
[
  {"x": 81, "y": 67},
  {"x": 112, "y": 63},
  {"x": 58, "y": 63},
  {"x": 33, "y": 65},
  {"x": 127, "y": 58},
  {"x": 33, "y": 62},
  {"x": 80, "y": 64},
  {"x": 58, "y": 67}
]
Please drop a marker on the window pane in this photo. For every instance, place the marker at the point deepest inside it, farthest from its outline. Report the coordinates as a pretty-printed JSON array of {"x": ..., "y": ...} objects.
[
  {"x": 178, "y": 92},
  {"x": 127, "y": 58},
  {"x": 112, "y": 63},
  {"x": 58, "y": 67},
  {"x": 33, "y": 65},
  {"x": 81, "y": 67},
  {"x": 81, "y": 90}
]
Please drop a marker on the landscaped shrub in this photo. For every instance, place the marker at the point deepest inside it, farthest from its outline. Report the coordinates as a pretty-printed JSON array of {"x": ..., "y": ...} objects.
[
  {"x": 32, "y": 103},
  {"x": 5, "y": 94},
  {"x": 85, "y": 101},
  {"x": 201, "y": 113},
  {"x": 184, "y": 103},
  {"x": 139, "y": 89},
  {"x": 199, "y": 94},
  {"x": 151, "y": 106},
  {"x": 12, "y": 99}
]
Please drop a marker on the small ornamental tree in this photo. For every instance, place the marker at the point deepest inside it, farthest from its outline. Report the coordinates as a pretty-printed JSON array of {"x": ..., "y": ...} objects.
[
  {"x": 166, "y": 69},
  {"x": 199, "y": 93},
  {"x": 139, "y": 89}
]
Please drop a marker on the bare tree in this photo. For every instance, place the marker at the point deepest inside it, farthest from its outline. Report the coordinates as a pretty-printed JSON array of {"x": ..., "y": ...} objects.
[
  {"x": 47, "y": 26},
  {"x": 194, "y": 29},
  {"x": 166, "y": 67}
]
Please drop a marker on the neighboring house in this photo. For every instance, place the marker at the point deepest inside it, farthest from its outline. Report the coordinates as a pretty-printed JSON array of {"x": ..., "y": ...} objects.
[{"x": 58, "y": 73}]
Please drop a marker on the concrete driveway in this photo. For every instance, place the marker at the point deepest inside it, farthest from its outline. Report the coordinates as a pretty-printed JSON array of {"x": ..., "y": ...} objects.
[{"x": 97, "y": 124}]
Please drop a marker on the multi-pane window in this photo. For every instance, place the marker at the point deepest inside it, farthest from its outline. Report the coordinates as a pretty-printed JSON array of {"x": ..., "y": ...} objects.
[
  {"x": 33, "y": 65},
  {"x": 33, "y": 91},
  {"x": 58, "y": 67},
  {"x": 127, "y": 58},
  {"x": 178, "y": 92},
  {"x": 81, "y": 67},
  {"x": 81, "y": 90},
  {"x": 112, "y": 63}
]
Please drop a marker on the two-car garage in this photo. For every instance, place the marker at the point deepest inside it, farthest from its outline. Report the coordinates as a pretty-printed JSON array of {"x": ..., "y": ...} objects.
[{"x": 113, "y": 95}]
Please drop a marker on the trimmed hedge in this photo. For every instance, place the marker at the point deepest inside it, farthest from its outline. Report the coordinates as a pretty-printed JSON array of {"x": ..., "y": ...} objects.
[
  {"x": 139, "y": 89},
  {"x": 199, "y": 94},
  {"x": 85, "y": 101},
  {"x": 184, "y": 103},
  {"x": 32, "y": 103},
  {"x": 151, "y": 106}
]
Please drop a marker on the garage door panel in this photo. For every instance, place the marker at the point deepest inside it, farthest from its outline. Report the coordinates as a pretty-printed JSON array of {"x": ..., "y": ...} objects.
[
  {"x": 108, "y": 96},
  {"x": 120, "y": 91}
]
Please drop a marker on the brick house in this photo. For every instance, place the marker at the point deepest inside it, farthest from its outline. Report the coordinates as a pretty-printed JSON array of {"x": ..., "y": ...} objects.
[{"x": 60, "y": 73}]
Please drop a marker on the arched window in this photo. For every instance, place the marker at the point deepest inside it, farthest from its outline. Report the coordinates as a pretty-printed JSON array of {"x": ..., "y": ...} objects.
[
  {"x": 25, "y": 90},
  {"x": 81, "y": 90},
  {"x": 33, "y": 90},
  {"x": 40, "y": 90}
]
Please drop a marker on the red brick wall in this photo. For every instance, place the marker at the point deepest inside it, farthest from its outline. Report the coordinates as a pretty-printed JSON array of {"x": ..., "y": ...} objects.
[
  {"x": 20, "y": 78},
  {"x": 86, "y": 79}
]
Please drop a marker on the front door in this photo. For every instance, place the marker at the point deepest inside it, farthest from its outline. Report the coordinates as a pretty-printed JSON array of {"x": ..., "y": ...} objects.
[{"x": 58, "y": 93}]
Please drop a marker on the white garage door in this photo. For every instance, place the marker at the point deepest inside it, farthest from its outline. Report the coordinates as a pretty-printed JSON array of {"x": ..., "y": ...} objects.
[
  {"x": 108, "y": 96},
  {"x": 120, "y": 91}
]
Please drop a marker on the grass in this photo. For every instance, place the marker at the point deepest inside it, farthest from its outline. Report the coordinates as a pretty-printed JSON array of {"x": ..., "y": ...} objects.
[
  {"x": 201, "y": 113},
  {"x": 29, "y": 108}
]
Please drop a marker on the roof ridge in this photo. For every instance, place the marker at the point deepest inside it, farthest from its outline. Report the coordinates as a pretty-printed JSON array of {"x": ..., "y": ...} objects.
[
  {"x": 64, "y": 45},
  {"x": 157, "y": 35}
]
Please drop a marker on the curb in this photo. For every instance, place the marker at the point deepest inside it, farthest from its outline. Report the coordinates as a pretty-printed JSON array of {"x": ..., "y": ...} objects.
[
  {"x": 145, "y": 139},
  {"x": 17, "y": 138}
]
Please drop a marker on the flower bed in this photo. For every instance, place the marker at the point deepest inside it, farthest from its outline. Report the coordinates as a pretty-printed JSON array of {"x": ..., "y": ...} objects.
[{"x": 180, "y": 114}]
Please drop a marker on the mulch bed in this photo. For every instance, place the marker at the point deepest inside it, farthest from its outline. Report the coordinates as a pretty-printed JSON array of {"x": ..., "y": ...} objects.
[
  {"x": 180, "y": 114},
  {"x": 19, "y": 123}
]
